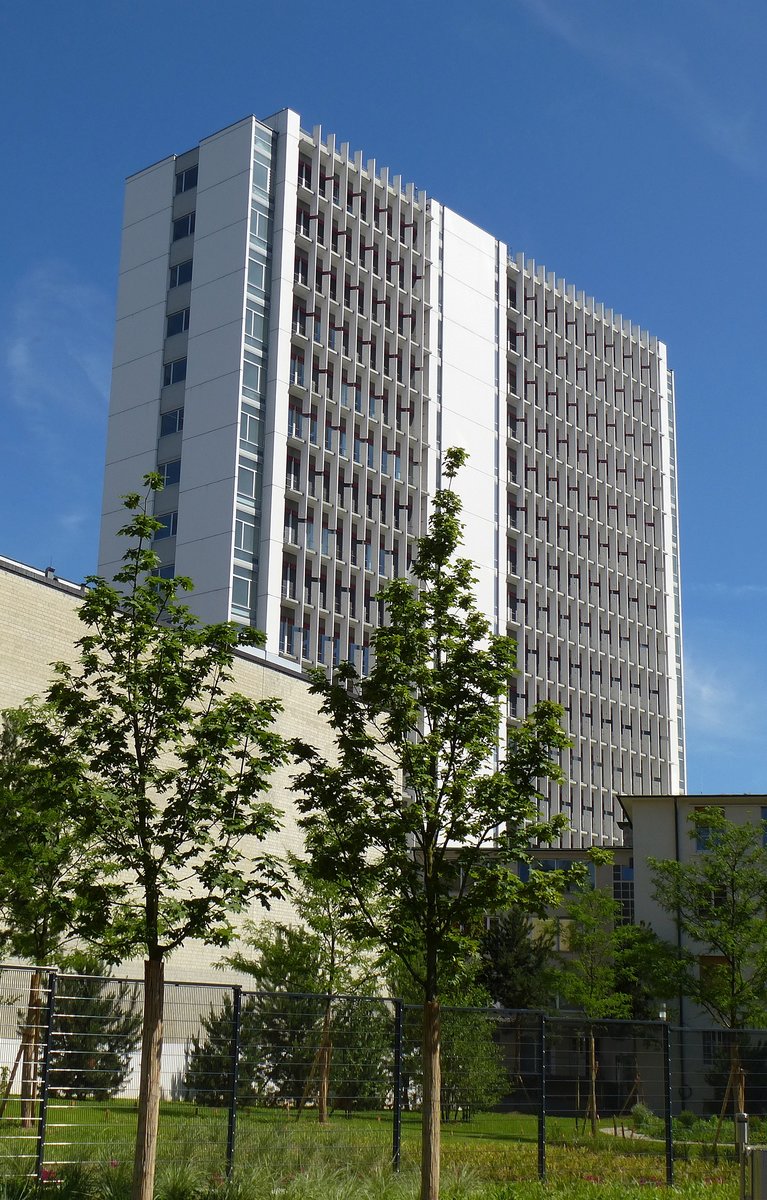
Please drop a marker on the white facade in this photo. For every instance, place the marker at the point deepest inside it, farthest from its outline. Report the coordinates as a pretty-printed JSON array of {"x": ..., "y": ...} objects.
[{"x": 300, "y": 337}]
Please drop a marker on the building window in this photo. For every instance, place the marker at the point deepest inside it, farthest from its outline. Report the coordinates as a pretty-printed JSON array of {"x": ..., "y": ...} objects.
[
  {"x": 304, "y": 172},
  {"x": 244, "y": 536},
  {"x": 186, "y": 180},
  {"x": 166, "y": 571},
  {"x": 287, "y": 633},
  {"x": 260, "y": 226},
  {"x": 256, "y": 327},
  {"x": 171, "y": 422},
  {"x": 177, "y": 322},
  {"x": 242, "y": 583},
  {"x": 299, "y": 319},
  {"x": 170, "y": 472},
  {"x": 289, "y": 590},
  {"x": 253, "y": 376},
  {"x": 181, "y": 273},
  {"x": 247, "y": 481},
  {"x": 250, "y": 431},
  {"x": 297, "y": 368},
  {"x": 301, "y": 269},
  {"x": 174, "y": 372},
  {"x": 257, "y": 275},
  {"x": 295, "y": 421},
  {"x": 702, "y": 831},
  {"x": 623, "y": 893},
  {"x": 293, "y": 472},
  {"x": 291, "y": 525},
  {"x": 183, "y": 227},
  {"x": 168, "y": 526}
]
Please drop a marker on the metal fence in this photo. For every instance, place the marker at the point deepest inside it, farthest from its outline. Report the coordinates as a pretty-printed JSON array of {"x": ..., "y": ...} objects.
[{"x": 243, "y": 1069}]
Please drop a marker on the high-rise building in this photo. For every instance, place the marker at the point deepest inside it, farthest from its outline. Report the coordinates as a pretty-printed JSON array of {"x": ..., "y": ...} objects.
[{"x": 299, "y": 337}]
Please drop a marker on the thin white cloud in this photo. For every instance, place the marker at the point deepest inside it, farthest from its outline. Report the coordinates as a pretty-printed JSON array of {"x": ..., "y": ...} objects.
[
  {"x": 645, "y": 62},
  {"x": 731, "y": 591},
  {"x": 57, "y": 347},
  {"x": 725, "y": 701}
]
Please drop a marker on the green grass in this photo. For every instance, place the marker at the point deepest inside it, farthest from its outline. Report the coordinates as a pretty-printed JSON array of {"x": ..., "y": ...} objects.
[{"x": 491, "y": 1157}]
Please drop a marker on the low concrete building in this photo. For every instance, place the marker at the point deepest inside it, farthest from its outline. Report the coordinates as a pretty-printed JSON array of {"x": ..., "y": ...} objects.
[{"x": 39, "y": 626}]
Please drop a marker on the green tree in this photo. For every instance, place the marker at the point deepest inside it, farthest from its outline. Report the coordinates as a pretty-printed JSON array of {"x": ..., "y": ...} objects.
[
  {"x": 516, "y": 961},
  {"x": 473, "y": 1075},
  {"x": 421, "y": 809},
  {"x": 97, "y": 1027},
  {"x": 611, "y": 970},
  {"x": 719, "y": 901},
  {"x": 208, "y": 1074},
  {"x": 49, "y": 881},
  {"x": 587, "y": 976},
  {"x": 177, "y": 770},
  {"x": 317, "y": 958}
]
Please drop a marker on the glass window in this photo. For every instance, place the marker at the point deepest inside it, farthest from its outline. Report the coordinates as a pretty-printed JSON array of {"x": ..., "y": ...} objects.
[
  {"x": 257, "y": 275},
  {"x": 250, "y": 430},
  {"x": 261, "y": 175},
  {"x": 167, "y": 571},
  {"x": 299, "y": 319},
  {"x": 287, "y": 633},
  {"x": 177, "y": 322},
  {"x": 183, "y": 226},
  {"x": 244, "y": 536},
  {"x": 304, "y": 172},
  {"x": 242, "y": 582},
  {"x": 168, "y": 526},
  {"x": 170, "y": 472},
  {"x": 301, "y": 269},
  {"x": 181, "y": 273},
  {"x": 256, "y": 326},
  {"x": 260, "y": 225},
  {"x": 171, "y": 422},
  {"x": 295, "y": 421},
  {"x": 253, "y": 376},
  {"x": 174, "y": 372},
  {"x": 291, "y": 526},
  {"x": 186, "y": 180},
  {"x": 247, "y": 479},
  {"x": 297, "y": 368}
]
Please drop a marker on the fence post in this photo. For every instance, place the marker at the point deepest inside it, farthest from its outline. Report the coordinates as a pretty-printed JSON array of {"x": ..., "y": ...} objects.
[
  {"x": 542, "y": 1098},
  {"x": 50, "y": 1009},
  {"x": 669, "y": 1129},
  {"x": 397, "y": 1086},
  {"x": 235, "y": 1073}
]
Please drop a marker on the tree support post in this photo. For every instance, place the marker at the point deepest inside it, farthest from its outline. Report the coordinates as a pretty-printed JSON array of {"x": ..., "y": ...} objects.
[
  {"x": 399, "y": 1009},
  {"x": 235, "y": 1075},
  {"x": 542, "y": 1099},
  {"x": 50, "y": 1009},
  {"x": 667, "y": 1114}
]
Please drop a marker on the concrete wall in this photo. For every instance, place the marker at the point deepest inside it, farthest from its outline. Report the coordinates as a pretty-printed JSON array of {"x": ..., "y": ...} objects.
[{"x": 39, "y": 625}]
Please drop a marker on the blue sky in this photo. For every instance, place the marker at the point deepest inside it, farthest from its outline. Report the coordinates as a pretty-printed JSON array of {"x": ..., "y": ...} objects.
[{"x": 624, "y": 146}]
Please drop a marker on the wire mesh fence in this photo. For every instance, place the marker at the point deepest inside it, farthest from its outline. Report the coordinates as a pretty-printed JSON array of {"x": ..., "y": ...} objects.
[{"x": 248, "y": 1074}]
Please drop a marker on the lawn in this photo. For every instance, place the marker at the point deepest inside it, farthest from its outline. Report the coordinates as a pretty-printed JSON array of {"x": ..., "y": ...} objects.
[{"x": 493, "y": 1156}]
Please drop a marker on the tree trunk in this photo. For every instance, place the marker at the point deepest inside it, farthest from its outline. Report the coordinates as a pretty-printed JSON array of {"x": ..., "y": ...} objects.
[
  {"x": 432, "y": 1087},
  {"x": 149, "y": 1084},
  {"x": 326, "y": 1053},
  {"x": 11, "y": 1078},
  {"x": 30, "y": 1052},
  {"x": 593, "y": 1082}
]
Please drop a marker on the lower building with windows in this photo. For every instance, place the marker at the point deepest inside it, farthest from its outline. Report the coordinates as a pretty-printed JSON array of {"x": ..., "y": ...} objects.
[{"x": 300, "y": 335}]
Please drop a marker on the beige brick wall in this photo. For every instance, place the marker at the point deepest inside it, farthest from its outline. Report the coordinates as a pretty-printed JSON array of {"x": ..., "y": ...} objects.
[{"x": 39, "y": 626}]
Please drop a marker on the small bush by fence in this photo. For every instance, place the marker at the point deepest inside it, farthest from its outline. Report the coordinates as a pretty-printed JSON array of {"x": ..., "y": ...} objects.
[{"x": 242, "y": 1069}]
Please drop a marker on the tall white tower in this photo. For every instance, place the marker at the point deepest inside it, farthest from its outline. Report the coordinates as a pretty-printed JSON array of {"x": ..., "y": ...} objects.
[{"x": 300, "y": 336}]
